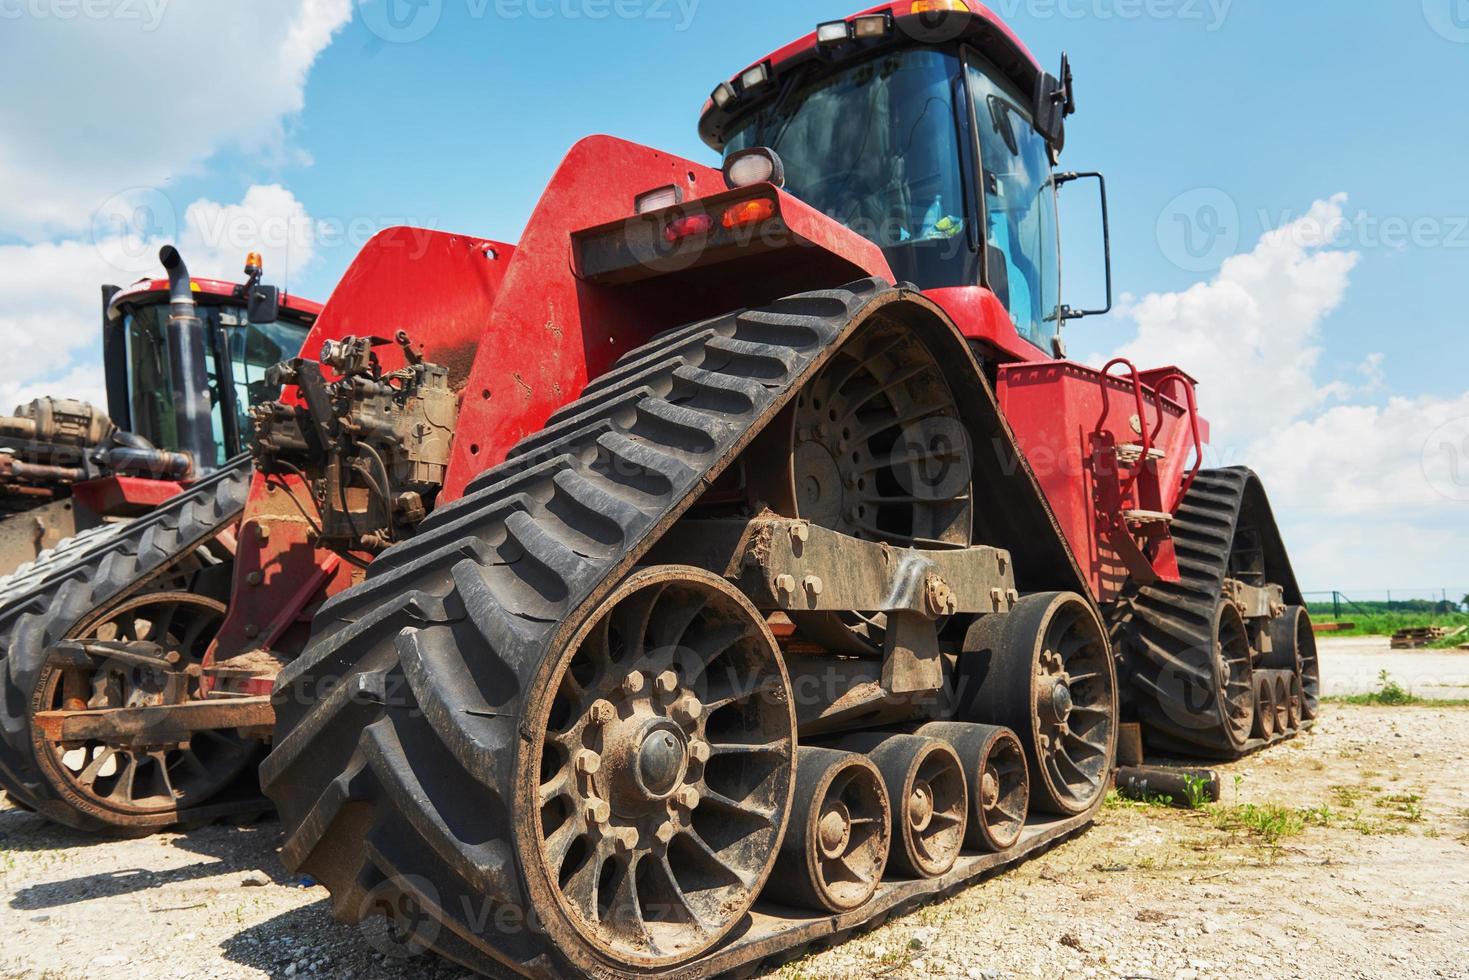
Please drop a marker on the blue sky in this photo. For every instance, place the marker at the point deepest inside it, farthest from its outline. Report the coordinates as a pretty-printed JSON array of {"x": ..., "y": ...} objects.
[{"x": 1217, "y": 119}]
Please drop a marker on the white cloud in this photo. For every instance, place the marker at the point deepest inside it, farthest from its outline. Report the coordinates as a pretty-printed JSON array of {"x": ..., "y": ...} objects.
[
  {"x": 50, "y": 321},
  {"x": 1363, "y": 501},
  {"x": 1250, "y": 334},
  {"x": 131, "y": 100}
]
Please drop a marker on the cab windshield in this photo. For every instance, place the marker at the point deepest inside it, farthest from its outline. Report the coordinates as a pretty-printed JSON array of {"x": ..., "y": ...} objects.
[
  {"x": 881, "y": 147},
  {"x": 253, "y": 347},
  {"x": 876, "y": 147}
]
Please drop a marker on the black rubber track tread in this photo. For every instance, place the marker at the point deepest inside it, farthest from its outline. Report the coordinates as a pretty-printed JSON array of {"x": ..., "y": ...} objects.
[
  {"x": 454, "y": 624},
  {"x": 74, "y": 583},
  {"x": 1163, "y": 633}
]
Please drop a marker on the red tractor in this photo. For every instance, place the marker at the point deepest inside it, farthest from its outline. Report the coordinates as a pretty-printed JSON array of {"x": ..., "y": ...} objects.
[
  {"x": 736, "y": 528},
  {"x": 185, "y": 360}
]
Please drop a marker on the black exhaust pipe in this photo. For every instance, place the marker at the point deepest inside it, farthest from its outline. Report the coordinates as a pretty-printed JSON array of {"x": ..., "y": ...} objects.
[{"x": 187, "y": 349}]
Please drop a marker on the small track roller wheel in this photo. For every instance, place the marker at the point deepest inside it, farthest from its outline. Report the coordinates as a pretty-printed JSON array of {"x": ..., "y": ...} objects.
[
  {"x": 1293, "y": 681},
  {"x": 1264, "y": 706},
  {"x": 1045, "y": 671},
  {"x": 836, "y": 846},
  {"x": 650, "y": 856},
  {"x": 925, "y": 781},
  {"x": 999, "y": 783},
  {"x": 1283, "y": 724}
]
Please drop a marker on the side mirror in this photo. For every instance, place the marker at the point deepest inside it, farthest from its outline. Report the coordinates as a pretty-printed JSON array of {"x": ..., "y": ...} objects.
[
  {"x": 1055, "y": 99},
  {"x": 1062, "y": 179},
  {"x": 263, "y": 305}
]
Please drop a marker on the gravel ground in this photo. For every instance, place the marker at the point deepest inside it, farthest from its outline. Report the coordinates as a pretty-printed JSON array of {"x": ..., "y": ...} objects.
[{"x": 1373, "y": 885}]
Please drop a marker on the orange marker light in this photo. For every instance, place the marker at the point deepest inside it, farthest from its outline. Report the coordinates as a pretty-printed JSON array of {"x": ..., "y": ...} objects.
[
  {"x": 931, "y": 6},
  {"x": 253, "y": 261},
  {"x": 749, "y": 213}
]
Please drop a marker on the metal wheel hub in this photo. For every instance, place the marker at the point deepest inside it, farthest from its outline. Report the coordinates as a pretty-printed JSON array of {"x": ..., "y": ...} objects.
[
  {"x": 834, "y": 829},
  {"x": 989, "y": 790},
  {"x": 920, "y": 806}
]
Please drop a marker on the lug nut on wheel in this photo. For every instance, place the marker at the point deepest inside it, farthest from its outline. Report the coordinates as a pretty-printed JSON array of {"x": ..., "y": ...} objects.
[
  {"x": 666, "y": 683},
  {"x": 633, "y": 683},
  {"x": 596, "y": 811},
  {"x": 602, "y": 713},
  {"x": 588, "y": 762}
]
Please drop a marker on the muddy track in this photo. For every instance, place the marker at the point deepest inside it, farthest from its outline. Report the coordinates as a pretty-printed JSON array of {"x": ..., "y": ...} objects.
[{"x": 54, "y": 597}]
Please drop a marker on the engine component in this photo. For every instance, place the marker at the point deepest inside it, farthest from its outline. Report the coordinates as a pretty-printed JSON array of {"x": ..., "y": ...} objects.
[{"x": 373, "y": 445}]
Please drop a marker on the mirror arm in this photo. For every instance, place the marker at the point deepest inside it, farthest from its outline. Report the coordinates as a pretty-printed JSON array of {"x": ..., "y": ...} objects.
[{"x": 1061, "y": 179}]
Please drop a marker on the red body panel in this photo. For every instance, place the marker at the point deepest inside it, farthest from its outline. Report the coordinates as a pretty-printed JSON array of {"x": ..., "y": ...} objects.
[
  {"x": 981, "y": 317},
  {"x": 1056, "y": 409},
  {"x": 123, "y": 495},
  {"x": 550, "y": 332}
]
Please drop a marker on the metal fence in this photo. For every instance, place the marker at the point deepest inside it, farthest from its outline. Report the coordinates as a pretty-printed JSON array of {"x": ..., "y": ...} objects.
[{"x": 1364, "y": 602}]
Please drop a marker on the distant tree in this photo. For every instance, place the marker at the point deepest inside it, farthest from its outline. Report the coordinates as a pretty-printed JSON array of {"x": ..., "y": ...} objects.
[{"x": 1465, "y": 603}]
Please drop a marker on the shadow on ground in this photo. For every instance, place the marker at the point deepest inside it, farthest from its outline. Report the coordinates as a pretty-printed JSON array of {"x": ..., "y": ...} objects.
[{"x": 228, "y": 850}]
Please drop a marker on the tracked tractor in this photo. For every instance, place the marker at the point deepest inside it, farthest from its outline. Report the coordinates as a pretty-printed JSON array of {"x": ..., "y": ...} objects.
[
  {"x": 68, "y": 467},
  {"x": 729, "y": 564},
  {"x": 185, "y": 360}
]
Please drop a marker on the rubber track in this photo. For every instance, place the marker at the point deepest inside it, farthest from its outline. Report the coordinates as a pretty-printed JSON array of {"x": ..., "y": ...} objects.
[
  {"x": 1166, "y": 644},
  {"x": 404, "y": 772},
  {"x": 45, "y": 604}
]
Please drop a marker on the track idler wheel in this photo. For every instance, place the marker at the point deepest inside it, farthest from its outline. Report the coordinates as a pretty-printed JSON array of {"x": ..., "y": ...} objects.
[
  {"x": 999, "y": 785},
  {"x": 1045, "y": 671},
  {"x": 925, "y": 781},
  {"x": 836, "y": 846},
  {"x": 1264, "y": 706},
  {"x": 667, "y": 758}
]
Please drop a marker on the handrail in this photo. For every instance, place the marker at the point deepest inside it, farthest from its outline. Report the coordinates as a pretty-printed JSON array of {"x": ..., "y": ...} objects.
[
  {"x": 1137, "y": 392},
  {"x": 1193, "y": 418}
]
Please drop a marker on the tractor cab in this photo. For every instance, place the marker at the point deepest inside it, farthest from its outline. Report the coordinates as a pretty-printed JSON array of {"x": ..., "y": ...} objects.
[
  {"x": 247, "y": 328},
  {"x": 926, "y": 127}
]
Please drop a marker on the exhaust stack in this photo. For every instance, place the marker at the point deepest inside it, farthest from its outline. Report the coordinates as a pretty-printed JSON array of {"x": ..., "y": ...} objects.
[{"x": 188, "y": 348}]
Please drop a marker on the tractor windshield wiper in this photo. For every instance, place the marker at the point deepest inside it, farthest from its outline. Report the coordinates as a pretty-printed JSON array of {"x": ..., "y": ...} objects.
[{"x": 786, "y": 91}]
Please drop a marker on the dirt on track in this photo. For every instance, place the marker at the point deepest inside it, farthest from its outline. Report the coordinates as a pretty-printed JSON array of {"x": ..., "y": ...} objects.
[{"x": 1373, "y": 885}]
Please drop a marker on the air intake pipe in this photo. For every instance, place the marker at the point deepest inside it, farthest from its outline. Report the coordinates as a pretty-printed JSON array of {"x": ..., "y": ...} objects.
[{"x": 188, "y": 347}]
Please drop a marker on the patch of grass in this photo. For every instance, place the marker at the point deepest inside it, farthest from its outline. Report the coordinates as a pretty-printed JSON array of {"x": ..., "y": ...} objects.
[
  {"x": 1391, "y": 694},
  {"x": 1269, "y": 823},
  {"x": 1116, "y": 801},
  {"x": 1386, "y": 623},
  {"x": 1407, "y": 807},
  {"x": 1195, "y": 791}
]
